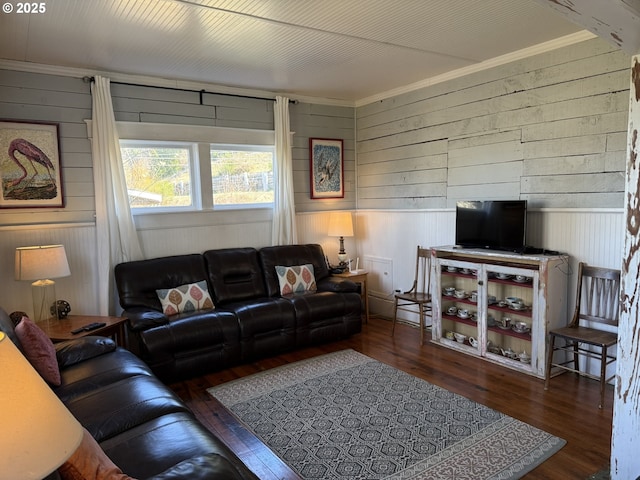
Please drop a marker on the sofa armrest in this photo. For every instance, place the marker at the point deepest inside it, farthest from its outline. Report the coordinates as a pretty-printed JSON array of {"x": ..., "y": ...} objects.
[
  {"x": 336, "y": 284},
  {"x": 144, "y": 318},
  {"x": 81, "y": 349}
]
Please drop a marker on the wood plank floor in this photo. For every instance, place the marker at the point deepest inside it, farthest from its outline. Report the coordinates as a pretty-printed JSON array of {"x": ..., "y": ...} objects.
[{"x": 569, "y": 409}]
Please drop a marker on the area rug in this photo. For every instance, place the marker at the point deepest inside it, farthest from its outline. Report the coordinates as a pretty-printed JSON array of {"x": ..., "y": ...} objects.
[{"x": 347, "y": 416}]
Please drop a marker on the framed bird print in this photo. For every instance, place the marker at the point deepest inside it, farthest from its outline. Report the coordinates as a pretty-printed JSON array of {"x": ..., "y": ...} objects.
[
  {"x": 30, "y": 170},
  {"x": 326, "y": 168}
]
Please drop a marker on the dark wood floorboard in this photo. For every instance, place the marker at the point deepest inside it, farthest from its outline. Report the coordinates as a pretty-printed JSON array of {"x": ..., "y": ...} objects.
[{"x": 569, "y": 409}]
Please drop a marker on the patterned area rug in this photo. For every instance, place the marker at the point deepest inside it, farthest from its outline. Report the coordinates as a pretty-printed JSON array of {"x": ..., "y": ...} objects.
[{"x": 347, "y": 416}]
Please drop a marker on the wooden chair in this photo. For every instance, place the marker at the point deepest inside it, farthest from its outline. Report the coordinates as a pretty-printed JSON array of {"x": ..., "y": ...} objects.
[
  {"x": 597, "y": 303},
  {"x": 419, "y": 294}
]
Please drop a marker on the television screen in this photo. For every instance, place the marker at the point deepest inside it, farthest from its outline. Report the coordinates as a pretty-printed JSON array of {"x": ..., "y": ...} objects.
[{"x": 495, "y": 224}]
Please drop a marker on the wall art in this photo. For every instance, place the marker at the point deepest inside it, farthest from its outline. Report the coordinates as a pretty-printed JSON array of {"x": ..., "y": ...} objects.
[
  {"x": 30, "y": 170},
  {"x": 326, "y": 168}
]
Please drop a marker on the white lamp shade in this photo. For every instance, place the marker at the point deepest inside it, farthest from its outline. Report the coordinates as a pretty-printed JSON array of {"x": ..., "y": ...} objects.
[
  {"x": 38, "y": 432},
  {"x": 42, "y": 262},
  {"x": 340, "y": 224}
]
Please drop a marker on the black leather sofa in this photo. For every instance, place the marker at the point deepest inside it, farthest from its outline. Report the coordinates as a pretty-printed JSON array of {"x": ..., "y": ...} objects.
[
  {"x": 142, "y": 426},
  {"x": 251, "y": 318}
]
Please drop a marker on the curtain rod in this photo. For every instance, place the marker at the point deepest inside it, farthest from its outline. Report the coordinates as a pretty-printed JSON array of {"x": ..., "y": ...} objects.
[{"x": 200, "y": 92}]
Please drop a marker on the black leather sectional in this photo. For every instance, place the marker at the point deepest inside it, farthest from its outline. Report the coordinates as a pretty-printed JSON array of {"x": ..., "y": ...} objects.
[
  {"x": 142, "y": 426},
  {"x": 251, "y": 318}
]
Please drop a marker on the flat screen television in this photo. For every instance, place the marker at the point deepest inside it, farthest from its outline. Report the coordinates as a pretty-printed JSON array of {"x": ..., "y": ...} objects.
[{"x": 493, "y": 224}]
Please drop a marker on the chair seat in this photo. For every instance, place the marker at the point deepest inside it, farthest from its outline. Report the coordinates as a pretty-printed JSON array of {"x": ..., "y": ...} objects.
[
  {"x": 587, "y": 335},
  {"x": 415, "y": 297}
]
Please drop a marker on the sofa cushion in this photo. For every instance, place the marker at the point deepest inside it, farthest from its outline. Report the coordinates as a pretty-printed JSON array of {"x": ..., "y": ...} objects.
[
  {"x": 266, "y": 325},
  {"x": 194, "y": 342},
  {"x": 119, "y": 406},
  {"x": 325, "y": 316},
  {"x": 83, "y": 377},
  {"x": 165, "y": 442},
  {"x": 235, "y": 274},
  {"x": 211, "y": 466},
  {"x": 296, "y": 279},
  {"x": 39, "y": 350},
  {"x": 138, "y": 281},
  {"x": 288, "y": 255},
  {"x": 81, "y": 349},
  {"x": 185, "y": 298},
  {"x": 89, "y": 462}
]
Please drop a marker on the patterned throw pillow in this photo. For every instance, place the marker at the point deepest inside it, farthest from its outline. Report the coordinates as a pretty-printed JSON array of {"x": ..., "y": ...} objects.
[
  {"x": 185, "y": 298},
  {"x": 296, "y": 279}
]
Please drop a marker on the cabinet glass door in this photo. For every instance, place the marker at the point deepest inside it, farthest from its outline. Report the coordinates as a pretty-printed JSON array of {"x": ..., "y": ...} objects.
[
  {"x": 511, "y": 314},
  {"x": 458, "y": 303}
]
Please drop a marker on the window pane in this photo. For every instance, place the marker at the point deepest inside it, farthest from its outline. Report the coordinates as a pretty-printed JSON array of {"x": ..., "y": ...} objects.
[
  {"x": 242, "y": 177},
  {"x": 157, "y": 176}
]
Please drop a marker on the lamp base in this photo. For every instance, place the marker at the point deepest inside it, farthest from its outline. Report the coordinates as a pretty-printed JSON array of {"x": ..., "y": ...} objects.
[{"x": 44, "y": 295}]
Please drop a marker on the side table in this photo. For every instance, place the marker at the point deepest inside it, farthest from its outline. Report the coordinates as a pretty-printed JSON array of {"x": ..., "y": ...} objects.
[
  {"x": 60, "y": 330},
  {"x": 359, "y": 276}
]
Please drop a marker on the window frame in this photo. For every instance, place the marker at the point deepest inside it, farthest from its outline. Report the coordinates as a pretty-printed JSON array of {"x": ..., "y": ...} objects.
[
  {"x": 194, "y": 175},
  {"x": 202, "y": 138}
]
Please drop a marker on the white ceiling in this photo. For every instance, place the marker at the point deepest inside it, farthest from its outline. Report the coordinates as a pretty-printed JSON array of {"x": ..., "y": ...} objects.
[{"x": 347, "y": 50}]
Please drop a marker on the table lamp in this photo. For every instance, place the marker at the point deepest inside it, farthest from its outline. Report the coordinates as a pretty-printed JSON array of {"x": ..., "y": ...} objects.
[
  {"x": 341, "y": 225},
  {"x": 38, "y": 432},
  {"x": 42, "y": 263}
]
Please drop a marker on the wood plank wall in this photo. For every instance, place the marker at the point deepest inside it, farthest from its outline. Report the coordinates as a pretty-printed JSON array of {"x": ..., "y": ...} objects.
[
  {"x": 550, "y": 129},
  {"x": 66, "y": 100}
]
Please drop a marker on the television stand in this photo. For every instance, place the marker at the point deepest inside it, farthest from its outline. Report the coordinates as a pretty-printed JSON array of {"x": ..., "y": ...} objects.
[{"x": 471, "y": 292}]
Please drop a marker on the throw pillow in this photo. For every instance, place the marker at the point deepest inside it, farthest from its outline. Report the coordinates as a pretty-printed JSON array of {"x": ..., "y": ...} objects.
[
  {"x": 296, "y": 279},
  {"x": 185, "y": 298},
  {"x": 89, "y": 462},
  {"x": 39, "y": 350}
]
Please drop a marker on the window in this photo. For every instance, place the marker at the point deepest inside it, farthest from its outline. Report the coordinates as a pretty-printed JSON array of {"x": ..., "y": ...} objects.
[
  {"x": 158, "y": 174},
  {"x": 241, "y": 175},
  {"x": 171, "y": 168}
]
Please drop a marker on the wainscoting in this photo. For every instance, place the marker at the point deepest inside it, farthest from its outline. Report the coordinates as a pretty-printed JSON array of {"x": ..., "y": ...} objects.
[{"x": 590, "y": 235}]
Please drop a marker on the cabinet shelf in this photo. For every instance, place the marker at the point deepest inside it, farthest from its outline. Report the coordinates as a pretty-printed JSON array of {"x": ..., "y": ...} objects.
[
  {"x": 511, "y": 333},
  {"x": 459, "y": 274},
  {"x": 455, "y": 318},
  {"x": 512, "y": 283},
  {"x": 511, "y": 311}
]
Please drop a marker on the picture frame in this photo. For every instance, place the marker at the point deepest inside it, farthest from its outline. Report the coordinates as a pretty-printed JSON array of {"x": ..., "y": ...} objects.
[
  {"x": 326, "y": 168},
  {"x": 30, "y": 167}
]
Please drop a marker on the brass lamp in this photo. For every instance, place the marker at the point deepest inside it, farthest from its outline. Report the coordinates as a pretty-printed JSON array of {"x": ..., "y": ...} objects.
[
  {"x": 42, "y": 263},
  {"x": 38, "y": 432},
  {"x": 341, "y": 225}
]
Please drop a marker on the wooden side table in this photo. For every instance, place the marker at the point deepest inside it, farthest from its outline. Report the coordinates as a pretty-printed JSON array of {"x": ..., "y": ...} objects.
[
  {"x": 60, "y": 330},
  {"x": 359, "y": 276}
]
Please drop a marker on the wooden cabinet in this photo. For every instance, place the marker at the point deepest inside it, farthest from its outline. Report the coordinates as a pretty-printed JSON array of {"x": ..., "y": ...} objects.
[{"x": 498, "y": 306}]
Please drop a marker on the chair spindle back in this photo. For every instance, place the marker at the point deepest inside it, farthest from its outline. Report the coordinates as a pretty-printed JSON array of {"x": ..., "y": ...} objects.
[{"x": 599, "y": 295}]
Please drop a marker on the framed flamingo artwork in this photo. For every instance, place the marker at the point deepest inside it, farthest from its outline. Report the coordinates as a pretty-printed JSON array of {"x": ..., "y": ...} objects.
[
  {"x": 326, "y": 168},
  {"x": 30, "y": 170}
]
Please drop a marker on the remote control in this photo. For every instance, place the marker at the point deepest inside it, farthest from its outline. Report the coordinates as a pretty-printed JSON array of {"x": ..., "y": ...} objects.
[{"x": 88, "y": 327}]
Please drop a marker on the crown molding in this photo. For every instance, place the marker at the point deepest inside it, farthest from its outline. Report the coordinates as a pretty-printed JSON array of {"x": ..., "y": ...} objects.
[
  {"x": 222, "y": 89},
  {"x": 567, "y": 40}
]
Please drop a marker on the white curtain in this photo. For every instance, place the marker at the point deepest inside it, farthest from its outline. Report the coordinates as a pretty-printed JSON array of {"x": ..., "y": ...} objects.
[
  {"x": 284, "y": 214},
  {"x": 117, "y": 238}
]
